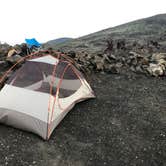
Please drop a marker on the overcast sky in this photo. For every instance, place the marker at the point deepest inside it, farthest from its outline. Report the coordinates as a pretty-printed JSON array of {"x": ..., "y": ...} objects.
[{"x": 51, "y": 19}]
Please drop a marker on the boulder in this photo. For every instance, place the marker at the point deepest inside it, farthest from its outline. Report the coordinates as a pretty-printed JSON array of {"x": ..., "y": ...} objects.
[
  {"x": 13, "y": 59},
  {"x": 156, "y": 69}
]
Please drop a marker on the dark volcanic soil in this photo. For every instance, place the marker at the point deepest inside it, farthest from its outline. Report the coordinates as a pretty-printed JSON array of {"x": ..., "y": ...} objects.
[{"x": 124, "y": 126}]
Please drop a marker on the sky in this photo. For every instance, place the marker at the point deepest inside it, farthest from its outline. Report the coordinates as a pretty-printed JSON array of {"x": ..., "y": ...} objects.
[{"x": 50, "y": 19}]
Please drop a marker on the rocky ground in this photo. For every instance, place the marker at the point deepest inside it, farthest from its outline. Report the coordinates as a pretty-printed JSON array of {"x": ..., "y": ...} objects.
[
  {"x": 124, "y": 126},
  {"x": 148, "y": 57},
  {"x": 118, "y": 55}
]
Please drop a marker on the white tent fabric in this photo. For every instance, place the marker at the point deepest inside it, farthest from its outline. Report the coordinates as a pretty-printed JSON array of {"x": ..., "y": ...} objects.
[{"x": 36, "y": 110}]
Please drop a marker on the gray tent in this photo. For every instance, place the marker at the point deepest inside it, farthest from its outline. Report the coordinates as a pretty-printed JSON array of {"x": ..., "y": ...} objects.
[{"x": 39, "y": 94}]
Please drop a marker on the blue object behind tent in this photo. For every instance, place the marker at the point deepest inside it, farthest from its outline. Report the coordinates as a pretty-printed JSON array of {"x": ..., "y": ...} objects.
[{"x": 32, "y": 42}]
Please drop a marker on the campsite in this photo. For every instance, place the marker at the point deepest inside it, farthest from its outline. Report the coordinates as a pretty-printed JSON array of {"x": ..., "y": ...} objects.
[{"x": 120, "y": 72}]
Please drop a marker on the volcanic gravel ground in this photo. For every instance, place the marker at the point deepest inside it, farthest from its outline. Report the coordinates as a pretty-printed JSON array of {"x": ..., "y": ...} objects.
[{"x": 124, "y": 126}]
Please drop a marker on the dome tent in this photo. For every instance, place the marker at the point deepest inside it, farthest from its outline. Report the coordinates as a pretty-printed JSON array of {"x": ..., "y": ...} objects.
[{"x": 39, "y": 94}]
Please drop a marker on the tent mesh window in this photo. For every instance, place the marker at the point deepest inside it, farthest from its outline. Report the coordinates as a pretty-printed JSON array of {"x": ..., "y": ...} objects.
[
  {"x": 39, "y": 76},
  {"x": 69, "y": 83}
]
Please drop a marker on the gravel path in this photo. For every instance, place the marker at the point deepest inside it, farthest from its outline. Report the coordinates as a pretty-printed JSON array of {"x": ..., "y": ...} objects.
[{"x": 124, "y": 126}]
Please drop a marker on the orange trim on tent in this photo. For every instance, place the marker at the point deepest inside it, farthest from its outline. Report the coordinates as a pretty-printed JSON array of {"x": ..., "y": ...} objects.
[
  {"x": 49, "y": 105},
  {"x": 57, "y": 91}
]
